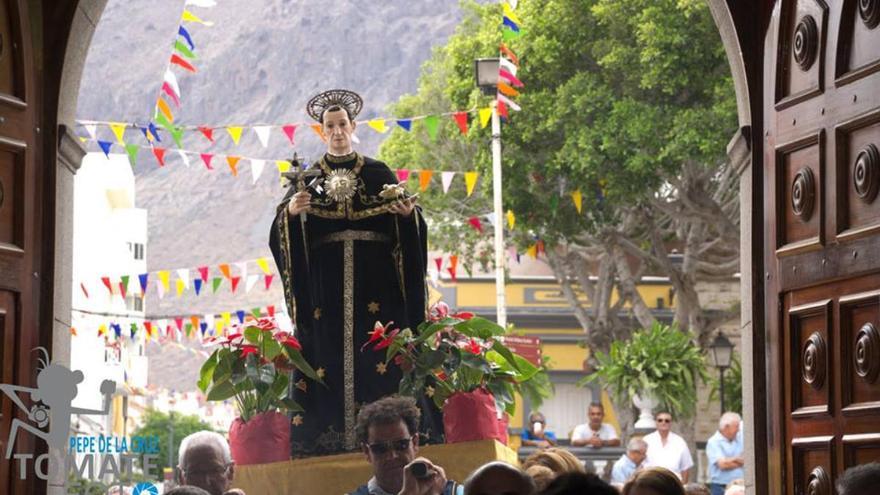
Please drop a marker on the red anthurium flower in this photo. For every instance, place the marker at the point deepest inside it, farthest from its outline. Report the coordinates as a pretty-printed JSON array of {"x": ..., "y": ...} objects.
[
  {"x": 439, "y": 311},
  {"x": 290, "y": 341},
  {"x": 266, "y": 324},
  {"x": 473, "y": 347},
  {"x": 247, "y": 350},
  {"x": 387, "y": 340},
  {"x": 464, "y": 315},
  {"x": 377, "y": 333}
]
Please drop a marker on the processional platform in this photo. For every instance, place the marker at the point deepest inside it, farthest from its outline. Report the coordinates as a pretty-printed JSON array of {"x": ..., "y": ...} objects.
[{"x": 340, "y": 474}]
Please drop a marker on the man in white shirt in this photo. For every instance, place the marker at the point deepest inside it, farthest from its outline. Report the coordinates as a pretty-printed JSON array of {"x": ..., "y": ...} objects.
[
  {"x": 668, "y": 450},
  {"x": 595, "y": 433}
]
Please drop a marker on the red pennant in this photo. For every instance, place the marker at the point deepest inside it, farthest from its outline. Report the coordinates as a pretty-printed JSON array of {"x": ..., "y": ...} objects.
[
  {"x": 271, "y": 311},
  {"x": 168, "y": 331},
  {"x": 122, "y": 289},
  {"x": 176, "y": 60},
  {"x": 451, "y": 271},
  {"x": 83, "y": 287},
  {"x": 475, "y": 223},
  {"x": 106, "y": 281},
  {"x": 502, "y": 109},
  {"x": 160, "y": 155},
  {"x": 148, "y": 326},
  {"x": 439, "y": 262},
  {"x": 509, "y": 54},
  {"x": 166, "y": 88},
  {"x": 179, "y": 323},
  {"x": 402, "y": 174},
  {"x": 208, "y": 132},
  {"x": 203, "y": 271},
  {"x": 289, "y": 131},
  {"x": 461, "y": 118},
  {"x": 269, "y": 280},
  {"x": 206, "y": 158},
  {"x": 235, "y": 281}
]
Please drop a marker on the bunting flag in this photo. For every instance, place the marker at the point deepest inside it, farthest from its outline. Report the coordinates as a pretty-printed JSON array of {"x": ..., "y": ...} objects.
[
  {"x": 509, "y": 77},
  {"x": 183, "y": 157},
  {"x": 197, "y": 285},
  {"x": 316, "y": 128},
  {"x": 439, "y": 262},
  {"x": 235, "y": 281},
  {"x": 190, "y": 17},
  {"x": 470, "y": 180},
  {"x": 268, "y": 281},
  {"x": 180, "y": 287},
  {"x": 262, "y": 132},
  {"x": 578, "y": 200},
  {"x": 378, "y": 125},
  {"x": 105, "y": 147},
  {"x": 402, "y": 174},
  {"x": 532, "y": 251},
  {"x": 251, "y": 282},
  {"x": 166, "y": 88},
  {"x": 485, "y": 115},
  {"x": 132, "y": 151},
  {"x": 118, "y": 131},
  {"x": 208, "y": 133},
  {"x": 476, "y": 224},
  {"x": 159, "y": 153},
  {"x": 446, "y": 179},
  {"x": 511, "y": 219},
  {"x": 289, "y": 131},
  {"x": 432, "y": 124},
  {"x": 235, "y": 133},
  {"x": 263, "y": 263},
  {"x": 233, "y": 164},
  {"x": 123, "y": 285},
  {"x": 181, "y": 31},
  {"x": 143, "y": 278},
  {"x": 453, "y": 266},
  {"x": 507, "y": 90},
  {"x": 224, "y": 269},
  {"x": 106, "y": 281},
  {"x": 257, "y": 169},
  {"x": 82, "y": 286},
  {"x": 215, "y": 283},
  {"x": 461, "y": 118},
  {"x": 405, "y": 124},
  {"x": 425, "y": 179}
]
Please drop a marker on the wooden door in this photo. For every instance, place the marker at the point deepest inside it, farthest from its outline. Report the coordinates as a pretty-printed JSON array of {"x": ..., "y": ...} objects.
[
  {"x": 20, "y": 227},
  {"x": 821, "y": 169}
]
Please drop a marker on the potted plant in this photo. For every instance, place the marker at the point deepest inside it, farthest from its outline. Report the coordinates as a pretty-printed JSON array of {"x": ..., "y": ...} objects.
[
  {"x": 252, "y": 365},
  {"x": 460, "y": 361}
]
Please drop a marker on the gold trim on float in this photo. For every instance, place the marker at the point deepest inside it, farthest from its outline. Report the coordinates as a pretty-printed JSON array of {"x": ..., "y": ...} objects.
[{"x": 348, "y": 341}]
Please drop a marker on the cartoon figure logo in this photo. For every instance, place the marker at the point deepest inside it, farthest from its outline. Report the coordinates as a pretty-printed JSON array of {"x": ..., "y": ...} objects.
[{"x": 56, "y": 389}]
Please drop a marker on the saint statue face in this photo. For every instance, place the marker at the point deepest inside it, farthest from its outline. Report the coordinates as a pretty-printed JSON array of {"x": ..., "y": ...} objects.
[{"x": 337, "y": 129}]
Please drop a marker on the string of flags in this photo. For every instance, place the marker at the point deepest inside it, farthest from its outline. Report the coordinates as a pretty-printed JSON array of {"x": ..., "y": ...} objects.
[{"x": 509, "y": 85}]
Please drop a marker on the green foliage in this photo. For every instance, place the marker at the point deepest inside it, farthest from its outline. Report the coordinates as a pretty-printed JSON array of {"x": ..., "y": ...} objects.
[
  {"x": 159, "y": 424},
  {"x": 661, "y": 361},
  {"x": 732, "y": 387}
]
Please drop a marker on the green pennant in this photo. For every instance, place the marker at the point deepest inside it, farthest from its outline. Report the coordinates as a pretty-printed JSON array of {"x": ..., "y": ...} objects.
[
  {"x": 132, "y": 150},
  {"x": 177, "y": 135},
  {"x": 432, "y": 123},
  {"x": 189, "y": 329},
  {"x": 184, "y": 50},
  {"x": 134, "y": 329},
  {"x": 216, "y": 281},
  {"x": 124, "y": 279},
  {"x": 256, "y": 312},
  {"x": 163, "y": 121},
  {"x": 508, "y": 34}
]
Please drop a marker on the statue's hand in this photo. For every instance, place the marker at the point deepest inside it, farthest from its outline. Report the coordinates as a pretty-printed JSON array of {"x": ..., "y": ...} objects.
[
  {"x": 299, "y": 203},
  {"x": 404, "y": 207}
]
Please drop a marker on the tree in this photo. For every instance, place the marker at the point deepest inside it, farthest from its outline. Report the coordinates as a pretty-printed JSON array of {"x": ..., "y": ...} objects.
[{"x": 160, "y": 424}]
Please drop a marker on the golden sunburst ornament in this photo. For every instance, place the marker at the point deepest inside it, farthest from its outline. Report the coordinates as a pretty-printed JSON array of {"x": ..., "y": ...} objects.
[{"x": 341, "y": 184}]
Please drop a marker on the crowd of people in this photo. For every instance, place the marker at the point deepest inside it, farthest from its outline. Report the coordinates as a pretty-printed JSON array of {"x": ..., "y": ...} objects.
[{"x": 387, "y": 430}]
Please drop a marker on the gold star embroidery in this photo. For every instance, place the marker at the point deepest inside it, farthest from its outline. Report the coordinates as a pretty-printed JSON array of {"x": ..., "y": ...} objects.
[
  {"x": 297, "y": 420},
  {"x": 373, "y": 307},
  {"x": 429, "y": 391},
  {"x": 381, "y": 368},
  {"x": 301, "y": 384},
  {"x": 317, "y": 314},
  {"x": 320, "y": 372}
]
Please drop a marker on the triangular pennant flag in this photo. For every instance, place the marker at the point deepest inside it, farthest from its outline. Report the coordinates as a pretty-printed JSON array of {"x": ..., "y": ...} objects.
[
  {"x": 283, "y": 166},
  {"x": 233, "y": 164},
  {"x": 92, "y": 129},
  {"x": 439, "y": 262},
  {"x": 503, "y": 100},
  {"x": 289, "y": 131},
  {"x": 235, "y": 281},
  {"x": 406, "y": 124},
  {"x": 215, "y": 283},
  {"x": 106, "y": 281},
  {"x": 240, "y": 314},
  {"x": 164, "y": 278},
  {"x": 203, "y": 327},
  {"x": 183, "y": 274},
  {"x": 197, "y": 284},
  {"x": 475, "y": 223},
  {"x": 148, "y": 326},
  {"x": 507, "y": 76},
  {"x": 509, "y": 13},
  {"x": 271, "y": 310},
  {"x": 511, "y": 219},
  {"x": 510, "y": 24},
  {"x": 263, "y": 263},
  {"x": 171, "y": 79},
  {"x": 206, "y": 159},
  {"x": 143, "y": 278},
  {"x": 402, "y": 174},
  {"x": 224, "y": 269},
  {"x": 251, "y": 282},
  {"x": 179, "y": 322},
  {"x": 118, "y": 131},
  {"x": 82, "y": 285},
  {"x": 532, "y": 251},
  {"x": 208, "y": 133},
  {"x": 425, "y": 179},
  {"x": 133, "y": 328},
  {"x": 378, "y": 125},
  {"x": 316, "y": 128},
  {"x": 203, "y": 273},
  {"x": 181, "y": 31},
  {"x": 508, "y": 34},
  {"x": 105, "y": 147},
  {"x": 453, "y": 266},
  {"x": 506, "y": 89},
  {"x": 165, "y": 109},
  {"x": 177, "y": 136},
  {"x": 132, "y": 151},
  {"x": 73, "y": 332},
  {"x": 470, "y": 180},
  {"x": 502, "y": 108},
  {"x": 102, "y": 329},
  {"x": 268, "y": 280},
  {"x": 432, "y": 123},
  {"x": 154, "y": 132},
  {"x": 461, "y": 118},
  {"x": 257, "y": 313},
  {"x": 490, "y": 217},
  {"x": 159, "y": 153},
  {"x": 262, "y": 132},
  {"x": 190, "y": 17},
  {"x": 166, "y": 88},
  {"x": 578, "y": 200},
  {"x": 507, "y": 66},
  {"x": 242, "y": 269},
  {"x": 184, "y": 50},
  {"x": 183, "y": 157},
  {"x": 189, "y": 330},
  {"x": 194, "y": 320},
  {"x": 123, "y": 285},
  {"x": 234, "y": 133},
  {"x": 257, "y": 169},
  {"x": 446, "y": 179},
  {"x": 226, "y": 317},
  {"x": 485, "y": 115},
  {"x": 180, "y": 287},
  {"x": 180, "y": 62},
  {"x": 509, "y": 54}
]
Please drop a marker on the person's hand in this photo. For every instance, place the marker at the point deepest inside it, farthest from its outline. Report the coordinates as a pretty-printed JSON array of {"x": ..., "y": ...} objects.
[
  {"x": 299, "y": 203},
  {"x": 595, "y": 442},
  {"x": 403, "y": 207},
  {"x": 544, "y": 444},
  {"x": 432, "y": 485}
]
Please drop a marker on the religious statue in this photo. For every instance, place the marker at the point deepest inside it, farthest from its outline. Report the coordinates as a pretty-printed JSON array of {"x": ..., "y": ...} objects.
[{"x": 351, "y": 248}]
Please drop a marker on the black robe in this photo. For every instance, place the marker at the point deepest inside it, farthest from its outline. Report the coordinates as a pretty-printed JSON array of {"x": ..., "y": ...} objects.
[{"x": 362, "y": 265}]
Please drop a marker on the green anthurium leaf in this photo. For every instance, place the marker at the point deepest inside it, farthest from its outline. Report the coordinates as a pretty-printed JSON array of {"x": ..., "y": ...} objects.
[
  {"x": 291, "y": 405},
  {"x": 206, "y": 373},
  {"x": 252, "y": 335},
  {"x": 222, "y": 371},
  {"x": 475, "y": 362},
  {"x": 431, "y": 360},
  {"x": 271, "y": 348},
  {"x": 221, "y": 391},
  {"x": 267, "y": 374},
  {"x": 480, "y": 327},
  {"x": 279, "y": 387},
  {"x": 506, "y": 353},
  {"x": 301, "y": 364}
]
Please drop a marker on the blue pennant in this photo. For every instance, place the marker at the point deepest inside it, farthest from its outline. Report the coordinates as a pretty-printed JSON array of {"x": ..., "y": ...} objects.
[
  {"x": 105, "y": 147},
  {"x": 117, "y": 329},
  {"x": 512, "y": 25},
  {"x": 240, "y": 314},
  {"x": 183, "y": 32},
  {"x": 198, "y": 283},
  {"x": 406, "y": 124},
  {"x": 204, "y": 327},
  {"x": 155, "y": 132}
]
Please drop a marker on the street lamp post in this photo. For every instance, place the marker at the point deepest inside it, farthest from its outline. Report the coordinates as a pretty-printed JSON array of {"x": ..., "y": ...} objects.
[
  {"x": 722, "y": 354},
  {"x": 486, "y": 74}
]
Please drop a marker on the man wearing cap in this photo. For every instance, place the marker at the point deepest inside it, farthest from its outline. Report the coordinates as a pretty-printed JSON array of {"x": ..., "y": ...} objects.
[{"x": 351, "y": 248}]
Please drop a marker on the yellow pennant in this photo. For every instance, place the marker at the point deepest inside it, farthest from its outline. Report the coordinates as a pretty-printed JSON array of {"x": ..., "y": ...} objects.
[
  {"x": 425, "y": 179},
  {"x": 180, "y": 287},
  {"x": 509, "y": 13},
  {"x": 470, "y": 180},
  {"x": 119, "y": 131},
  {"x": 511, "y": 219},
  {"x": 264, "y": 265},
  {"x": 163, "y": 277},
  {"x": 102, "y": 329},
  {"x": 378, "y": 125},
  {"x": 233, "y": 164},
  {"x": 578, "y": 200},
  {"x": 190, "y": 17},
  {"x": 227, "y": 319},
  {"x": 485, "y": 115},
  {"x": 533, "y": 251},
  {"x": 320, "y": 132},
  {"x": 235, "y": 134},
  {"x": 283, "y": 166},
  {"x": 165, "y": 109}
]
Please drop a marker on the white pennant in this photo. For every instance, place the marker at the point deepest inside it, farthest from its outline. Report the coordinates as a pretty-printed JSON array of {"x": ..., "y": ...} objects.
[
  {"x": 507, "y": 101},
  {"x": 354, "y": 139},
  {"x": 171, "y": 79},
  {"x": 161, "y": 325},
  {"x": 446, "y": 178},
  {"x": 506, "y": 64},
  {"x": 251, "y": 281},
  {"x": 160, "y": 289},
  {"x": 92, "y": 129},
  {"x": 205, "y": 3},
  {"x": 242, "y": 269},
  {"x": 257, "y": 168},
  {"x": 490, "y": 217},
  {"x": 183, "y": 274},
  {"x": 209, "y": 319},
  {"x": 184, "y": 157},
  {"x": 263, "y": 134}
]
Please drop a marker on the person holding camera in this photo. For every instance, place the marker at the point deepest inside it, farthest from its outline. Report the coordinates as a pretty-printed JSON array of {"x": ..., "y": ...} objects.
[
  {"x": 536, "y": 435},
  {"x": 388, "y": 432}
]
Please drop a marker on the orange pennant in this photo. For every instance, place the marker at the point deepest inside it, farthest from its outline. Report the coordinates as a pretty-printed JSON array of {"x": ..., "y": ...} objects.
[
  {"x": 319, "y": 131},
  {"x": 506, "y": 51},
  {"x": 425, "y": 179},
  {"x": 224, "y": 269},
  {"x": 233, "y": 163},
  {"x": 165, "y": 109},
  {"x": 507, "y": 90}
]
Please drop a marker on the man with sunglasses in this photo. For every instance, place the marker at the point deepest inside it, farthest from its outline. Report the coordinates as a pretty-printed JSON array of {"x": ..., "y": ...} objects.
[
  {"x": 388, "y": 432},
  {"x": 667, "y": 449}
]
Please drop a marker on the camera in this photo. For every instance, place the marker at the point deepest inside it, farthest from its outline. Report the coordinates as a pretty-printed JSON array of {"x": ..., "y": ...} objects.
[{"x": 420, "y": 470}]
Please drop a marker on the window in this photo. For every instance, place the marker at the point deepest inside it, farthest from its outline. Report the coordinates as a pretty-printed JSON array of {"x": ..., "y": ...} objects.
[
  {"x": 137, "y": 250},
  {"x": 134, "y": 303}
]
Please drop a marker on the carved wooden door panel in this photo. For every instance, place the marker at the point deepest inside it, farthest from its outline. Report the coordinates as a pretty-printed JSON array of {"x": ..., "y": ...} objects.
[
  {"x": 822, "y": 224},
  {"x": 19, "y": 225}
]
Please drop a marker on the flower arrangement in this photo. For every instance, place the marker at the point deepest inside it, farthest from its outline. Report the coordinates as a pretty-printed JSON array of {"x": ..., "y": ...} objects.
[{"x": 252, "y": 364}]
